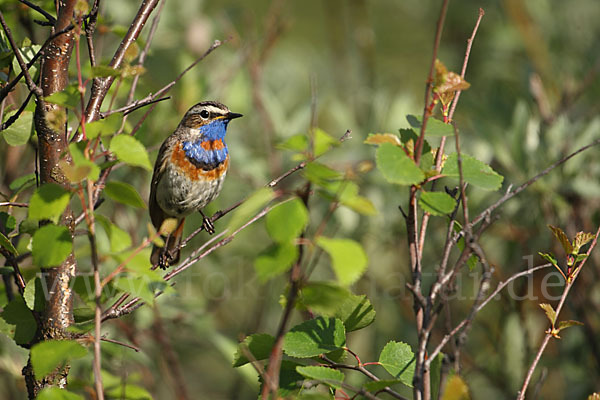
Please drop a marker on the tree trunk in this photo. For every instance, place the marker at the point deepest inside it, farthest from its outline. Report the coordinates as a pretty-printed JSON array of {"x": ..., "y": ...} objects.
[{"x": 52, "y": 145}]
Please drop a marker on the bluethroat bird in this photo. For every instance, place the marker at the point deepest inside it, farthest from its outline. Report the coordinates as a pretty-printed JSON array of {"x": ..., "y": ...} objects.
[{"x": 189, "y": 172}]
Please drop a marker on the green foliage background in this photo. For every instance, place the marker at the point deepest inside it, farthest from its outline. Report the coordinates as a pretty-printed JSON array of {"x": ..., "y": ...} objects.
[{"x": 365, "y": 63}]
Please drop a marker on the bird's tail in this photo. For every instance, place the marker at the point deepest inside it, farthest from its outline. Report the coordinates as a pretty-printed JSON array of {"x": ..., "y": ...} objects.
[{"x": 169, "y": 254}]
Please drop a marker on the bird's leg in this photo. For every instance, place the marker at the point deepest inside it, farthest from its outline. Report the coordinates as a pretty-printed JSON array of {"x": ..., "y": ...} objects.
[
  {"x": 163, "y": 259},
  {"x": 207, "y": 223}
]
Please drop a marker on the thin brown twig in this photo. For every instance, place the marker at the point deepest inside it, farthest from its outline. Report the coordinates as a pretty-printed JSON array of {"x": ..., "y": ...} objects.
[
  {"x": 90, "y": 27},
  {"x": 429, "y": 85},
  {"x": 133, "y": 106},
  {"x": 173, "y": 364},
  {"x": 13, "y": 262},
  {"x": 465, "y": 62},
  {"x": 501, "y": 285},
  {"x": 549, "y": 333},
  {"x": 4, "y": 91},
  {"x": 221, "y": 213},
  {"x": 37, "y": 91},
  {"x": 216, "y": 44},
  {"x": 462, "y": 185},
  {"x": 440, "y": 151},
  {"x": 295, "y": 279},
  {"x": 129, "y": 346},
  {"x": 510, "y": 193},
  {"x": 13, "y": 204},
  {"x": 421, "y": 387},
  {"x": 11, "y": 120},
  {"x": 100, "y": 86},
  {"x": 363, "y": 371},
  {"x": 135, "y": 303},
  {"x": 39, "y": 9}
]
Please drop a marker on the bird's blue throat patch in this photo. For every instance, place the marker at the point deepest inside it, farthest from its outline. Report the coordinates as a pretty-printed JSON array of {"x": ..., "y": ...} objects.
[
  {"x": 206, "y": 154},
  {"x": 210, "y": 150},
  {"x": 214, "y": 130}
]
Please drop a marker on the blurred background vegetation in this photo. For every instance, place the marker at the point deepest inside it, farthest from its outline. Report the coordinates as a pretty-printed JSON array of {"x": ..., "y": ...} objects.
[{"x": 533, "y": 99}]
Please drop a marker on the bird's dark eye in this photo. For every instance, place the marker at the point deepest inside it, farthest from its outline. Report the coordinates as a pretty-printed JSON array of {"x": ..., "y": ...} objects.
[{"x": 204, "y": 114}]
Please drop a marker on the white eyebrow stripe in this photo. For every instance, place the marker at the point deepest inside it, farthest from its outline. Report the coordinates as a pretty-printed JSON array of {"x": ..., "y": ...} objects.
[{"x": 215, "y": 110}]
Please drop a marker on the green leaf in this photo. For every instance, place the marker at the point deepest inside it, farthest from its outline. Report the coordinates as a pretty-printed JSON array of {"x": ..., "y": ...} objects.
[
  {"x": 250, "y": 207},
  {"x": 83, "y": 314},
  {"x": 550, "y": 258},
  {"x": 47, "y": 355},
  {"x": 21, "y": 321},
  {"x": 379, "y": 138},
  {"x": 437, "y": 203},
  {"x": 289, "y": 380},
  {"x": 103, "y": 127},
  {"x": 474, "y": 172},
  {"x": 434, "y": 127},
  {"x": 22, "y": 183},
  {"x": 275, "y": 260},
  {"x": 286, "y": 221},
  {"x": 346, "y": 193},
  {"x": 19, "y": 132},
  {"x": 69, "y": 97},
  {"x": 323, "y": 142},
  {"x": 566, "y": 324},
  {"x": 562, "y": 238},
  {"x": 376, "y": 386},
  {"x": 323, "y": 298},
  {"x": 550, "y": 313},
  {"x": 28, "y": 226},
  {"x": 128, "y": 391},
  {"x": 129, "y": 150},
  {"x": 328, "y": 376},
  {"x": 398, "y": 359},
  {"x": 119, "y": 239},
  {"x": 51, "y": 245},
  {"x": 314, "y": 337},
  {"x": 81, "y": 167},
  {"x": 320, "y": 174},
  {"x": 34, "y": 295},
  {"x": 456, "y": 389},
  {"x": 124, "y": 193},
  {"x": 7, "y": 244},
  {"x": 258, "y": 344},
  {"x": 396, "y": 166},
  {"x": 48, "y": 202},
  {"x": 28, "y": 51},
  {"x": 436, "y": 375},
  {"x": 54, "y": 393},
  {"x": 8, "y": 222},
  {"x": 140, "y": 280},
  {"x": 298, "y": 143},
  {"x": 349, "y": 260},
  {"x": 472, "y": 261},
  {"x": 104, "y": 71},
  {"x": 356, "y": 312},
  {"x": 581, "y": 239}
]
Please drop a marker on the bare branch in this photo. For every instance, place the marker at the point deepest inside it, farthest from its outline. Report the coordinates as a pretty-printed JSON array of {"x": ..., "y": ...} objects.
[
  {"x": 30, "y": 83},
  {"x": 429, "y": 85},
  {"x": 7, "y": 89},
  {"x": 465, "y": 321},
  {"x": 549, "y": 334},
  {"x": 510, "y": 194},
  {"x": 465, "y": 62},
  {"x": 100, "y": 86},
  {"x": 11, "y": 120}
]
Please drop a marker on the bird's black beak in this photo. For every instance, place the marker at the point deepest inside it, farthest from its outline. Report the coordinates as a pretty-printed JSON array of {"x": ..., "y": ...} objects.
[{"x": 233, "y": 115}]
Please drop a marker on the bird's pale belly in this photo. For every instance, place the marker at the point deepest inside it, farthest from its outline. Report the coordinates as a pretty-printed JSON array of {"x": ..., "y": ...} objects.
[{"x": 178, "y": 195}]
